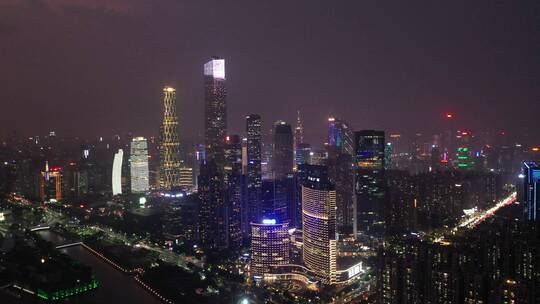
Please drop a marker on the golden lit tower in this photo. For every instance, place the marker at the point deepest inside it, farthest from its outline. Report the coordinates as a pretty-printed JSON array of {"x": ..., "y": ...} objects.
[
  {"x": 319, "y": 227},
  {"x": 170, "y": 163}
]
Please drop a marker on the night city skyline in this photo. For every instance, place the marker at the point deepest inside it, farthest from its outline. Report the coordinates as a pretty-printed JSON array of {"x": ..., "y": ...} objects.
[
  {"x": 250, "y": 152},
  {"x": 397, "y": 67}
]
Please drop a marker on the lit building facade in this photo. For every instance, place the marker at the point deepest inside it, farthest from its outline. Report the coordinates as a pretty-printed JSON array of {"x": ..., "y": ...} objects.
[
  {"x": 298, "y": 137},
  {"x": 276, "y": 199},
  {"x": 186, "y": 178},
  {"x": 465, "y": 161},
  {"x": 50, "y": 184},
  {"x": 341, "y": 175},
  {"x": 303, "y": 173},
  {"x": 170, "y": 163},
  {"x": 369, "y": 179},
  {"x": 233, "y": 180},
  {"x": 318, "y": 157},
  {"x": 270, "y": 246},
  {"x": 179, "y": 219},
  {"x": 319, "y": 228},
  {"x": 139, "y": 165},
  {"x": 302, "y": 154},
  {"x": 117, "y": 172},
  {"x": 298, "y": 131},
  {"x": 531, "y": 190},
  {"x": 254, "y": 173},
  {"x": 340, "y": 135},
  {"x": 215, "y": 111},
  {"x": 213, "y": 227}
]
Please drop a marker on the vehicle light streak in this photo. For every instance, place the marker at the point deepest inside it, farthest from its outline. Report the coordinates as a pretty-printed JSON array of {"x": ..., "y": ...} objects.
[{"x": 475, "y": 220}]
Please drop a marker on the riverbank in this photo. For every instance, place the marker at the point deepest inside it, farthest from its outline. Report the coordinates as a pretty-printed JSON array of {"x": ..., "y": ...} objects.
[{"x": 116, "y": 286}]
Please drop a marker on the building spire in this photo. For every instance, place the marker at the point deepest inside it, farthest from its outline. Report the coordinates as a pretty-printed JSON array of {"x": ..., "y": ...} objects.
[{"x": 299, "y": 131}]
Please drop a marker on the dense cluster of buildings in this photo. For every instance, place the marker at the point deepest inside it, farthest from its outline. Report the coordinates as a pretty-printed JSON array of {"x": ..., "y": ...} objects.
[
  {"x": 294, "y": 203},
  {"x": 497, "y": 262}
]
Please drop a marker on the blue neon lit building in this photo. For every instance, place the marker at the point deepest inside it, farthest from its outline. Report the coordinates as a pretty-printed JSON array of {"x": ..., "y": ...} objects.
[
  {"x": 531, "y": 190},
  {"x": 340, "y": 135}
]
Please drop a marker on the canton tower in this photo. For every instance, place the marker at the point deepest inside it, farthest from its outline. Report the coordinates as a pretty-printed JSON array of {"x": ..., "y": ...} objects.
[{"x": 169, "y": 162}]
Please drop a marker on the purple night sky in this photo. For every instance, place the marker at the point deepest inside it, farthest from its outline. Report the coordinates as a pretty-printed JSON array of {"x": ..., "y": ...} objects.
[{"x": 97, "y": 67}]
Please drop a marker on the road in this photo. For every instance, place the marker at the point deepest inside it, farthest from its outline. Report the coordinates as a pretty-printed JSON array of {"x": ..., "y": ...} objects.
[
  {"x": 164, "y": 254},
  {"x": 472, "y": 222}
]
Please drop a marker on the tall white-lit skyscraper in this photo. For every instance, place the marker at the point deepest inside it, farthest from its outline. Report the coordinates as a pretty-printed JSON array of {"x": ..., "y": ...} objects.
[
  {"x": 139, "y": 165},
  {"x": 213, "y": 217},
  {"x": 117, "y": 172},
  {"x": 215, "y": 110}
]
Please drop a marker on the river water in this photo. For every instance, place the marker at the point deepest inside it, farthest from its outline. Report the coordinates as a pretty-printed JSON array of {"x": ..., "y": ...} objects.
[{"x": 116, "y": 287}]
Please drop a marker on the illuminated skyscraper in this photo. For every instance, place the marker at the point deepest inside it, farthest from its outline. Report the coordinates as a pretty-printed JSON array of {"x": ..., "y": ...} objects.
[
  {"x": 303, "y": 154},
  {"x": 213, "y": 227},
  {"x": 244, "y": 156},
  {"x": 270, "y": 243},
  {"x": 465, "y": 160},
  {"x": 170, "y": 163},
  {"x": 186, "y": 178},
  {"x": 340, "y": 136},
  {"x": 139, "y": 165},
  {"x": 50, "y": 184},
  {"x": 254, "y": 177},
  {"x": 303, "y": 172},
  {"x": 117, "y": 172},
  {"x": 341, "y": 175},
  {"x": 298, "y": 131},
  {"x": 340, "y": 171},
  {"x": 531, "y": 190},
  {"x": 318, "y": 157},
  {"x": 275, "y": 199},
  {"x": 215, "y": 111},
  {"x": 282, "y": 158},
  {"x": 319, "y": 228},
  {"x": 179, "y": 218},
  {"x": 369, "y": 178},
  {"x": 298, "y": 137},
  {"x": 233, "y": 180}
]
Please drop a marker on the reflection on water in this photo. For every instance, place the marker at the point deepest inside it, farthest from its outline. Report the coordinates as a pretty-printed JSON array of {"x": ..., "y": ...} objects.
[
  {"x": 116, "y": 287},
  {"x": 52, "y": 237}
]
